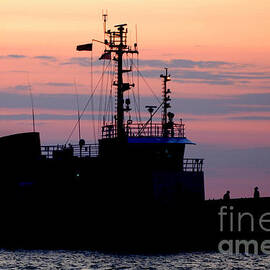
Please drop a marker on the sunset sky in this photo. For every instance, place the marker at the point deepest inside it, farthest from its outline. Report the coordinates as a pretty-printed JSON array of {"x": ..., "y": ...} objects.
[{"x": 217, "y": 52}]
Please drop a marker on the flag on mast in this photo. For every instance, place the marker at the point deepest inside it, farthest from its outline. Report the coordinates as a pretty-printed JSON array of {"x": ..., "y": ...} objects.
[{"x": 85, "y": 47}]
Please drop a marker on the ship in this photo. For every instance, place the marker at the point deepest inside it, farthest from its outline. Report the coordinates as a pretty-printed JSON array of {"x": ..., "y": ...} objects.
[{"x": 133, "y": 191}]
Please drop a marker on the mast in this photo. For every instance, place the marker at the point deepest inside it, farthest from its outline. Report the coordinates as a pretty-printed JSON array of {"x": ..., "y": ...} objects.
[
  {"x": 117, "y": 44},
  {"x": 115, "y": 48},
  {"x": 120, "y": 88},
  {"x": 166, "y": 103}
]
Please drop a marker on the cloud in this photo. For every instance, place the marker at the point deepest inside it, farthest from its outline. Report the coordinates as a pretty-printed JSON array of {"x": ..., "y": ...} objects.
[
  {"x": 185, "y": 63},
  {"x": 18, "y": 71},
  {"x": 153, "y": 63},
  {"x": 19, "y": 87},
  {"x": 189, "y": 76},
  {"x": 46, "y": 58},
  {"x": 43, "y": 116},
  {"x": 16, "y": 56},
  {"x": 59, "y": 84},
  {"x": 157, "y": 63},
  {"x": 250, "y": 118},
  {"x": 21, "y": 56},
  {"x": 247, "y": 103},
  {"x": 209, "y": 77},
  {"x": 212, "y": 82},
  {"x": 188, "y": 71},
  {"x": 13, "y": 56},
  {"x": 226, "y": 105},
  {"x": 244, "y": 73},
  {"x": 253, "y": 99},
  {"x": 81, "y": 61},
  {"x": 47, "y": 101}
]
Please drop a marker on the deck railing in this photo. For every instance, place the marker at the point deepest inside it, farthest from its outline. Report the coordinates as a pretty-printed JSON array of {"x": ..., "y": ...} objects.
[
  {"x": 140, "y": 130},
  {"x": 193, "y": 165},
  {"x": 92, "y": 150},
  {"x": 87, "y": 150}
]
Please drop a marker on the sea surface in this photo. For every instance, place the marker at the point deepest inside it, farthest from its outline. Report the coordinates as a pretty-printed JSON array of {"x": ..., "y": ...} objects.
[{"x": 86, "y": 260}]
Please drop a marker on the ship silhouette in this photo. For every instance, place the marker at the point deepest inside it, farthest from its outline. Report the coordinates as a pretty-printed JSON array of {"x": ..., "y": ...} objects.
[{"x": 133, "y": 191}]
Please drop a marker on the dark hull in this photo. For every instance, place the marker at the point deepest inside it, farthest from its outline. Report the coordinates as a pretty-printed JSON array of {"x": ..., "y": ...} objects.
[
  {"x": 99, "y": 209},
  {"x": 130, "y": 204},
  {"x": 115, "y": 228}
]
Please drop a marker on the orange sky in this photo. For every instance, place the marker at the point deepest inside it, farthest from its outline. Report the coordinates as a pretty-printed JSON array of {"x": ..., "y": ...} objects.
[
  {"x": 225, "y": 104},
  {"x": 227, "y": 29}
]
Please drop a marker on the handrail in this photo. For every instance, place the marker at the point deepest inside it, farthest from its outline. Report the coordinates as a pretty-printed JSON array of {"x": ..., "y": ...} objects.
[
  {"x": 87, "y": 150},
  {"x": 192, "y": 164},
  {"x": 92, "y": 150},
  {"x": 140, "y": 130}
]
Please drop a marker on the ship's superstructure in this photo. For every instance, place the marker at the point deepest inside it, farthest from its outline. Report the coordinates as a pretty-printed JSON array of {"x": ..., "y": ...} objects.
[{"x": 154, "y": 147}]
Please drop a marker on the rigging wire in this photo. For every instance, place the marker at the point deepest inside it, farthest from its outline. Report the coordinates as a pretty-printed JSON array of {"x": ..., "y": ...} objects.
[
  {"x": 101, "y": 97},
  {"x": 78, "y": 109},
  {"x": 128, "y": 64},
  {"x": 109, "y": 104},
  {"x": 138, "y": 77},
  {"x": 32, "y": 102},
  {"x": 85, "y": 107},
  {"x": 131, "y": 82},
  {"x": 92, "y": 100},
  {"x": 106, "y": 94},
  {"x": 146, "y": 123},
  {"x": 147, "y": 84},
  {"x": 111, "y": 96},
  {"x": 136, "y": 109},
  {"x": 135, "y": 103},
  {"x": 106, "y": 110}
]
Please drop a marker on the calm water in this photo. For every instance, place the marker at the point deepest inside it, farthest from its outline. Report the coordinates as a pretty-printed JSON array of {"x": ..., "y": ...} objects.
[{"x": 68, "y": 260}]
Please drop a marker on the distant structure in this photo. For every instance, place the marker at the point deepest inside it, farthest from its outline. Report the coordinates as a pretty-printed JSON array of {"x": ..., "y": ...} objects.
[
  {"x": 226, "y": 196},
  {"x": 256, "y": 193}
]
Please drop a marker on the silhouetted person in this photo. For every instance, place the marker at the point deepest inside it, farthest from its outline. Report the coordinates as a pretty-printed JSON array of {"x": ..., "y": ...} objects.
[
  {"x": 256, "y": 193},
  {"x": 226, "y": 196}
]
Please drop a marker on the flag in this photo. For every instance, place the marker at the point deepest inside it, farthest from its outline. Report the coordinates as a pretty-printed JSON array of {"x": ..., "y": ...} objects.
[
  {"x": 85, "y": 47},
  {"x": 106, "y": 55}
]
